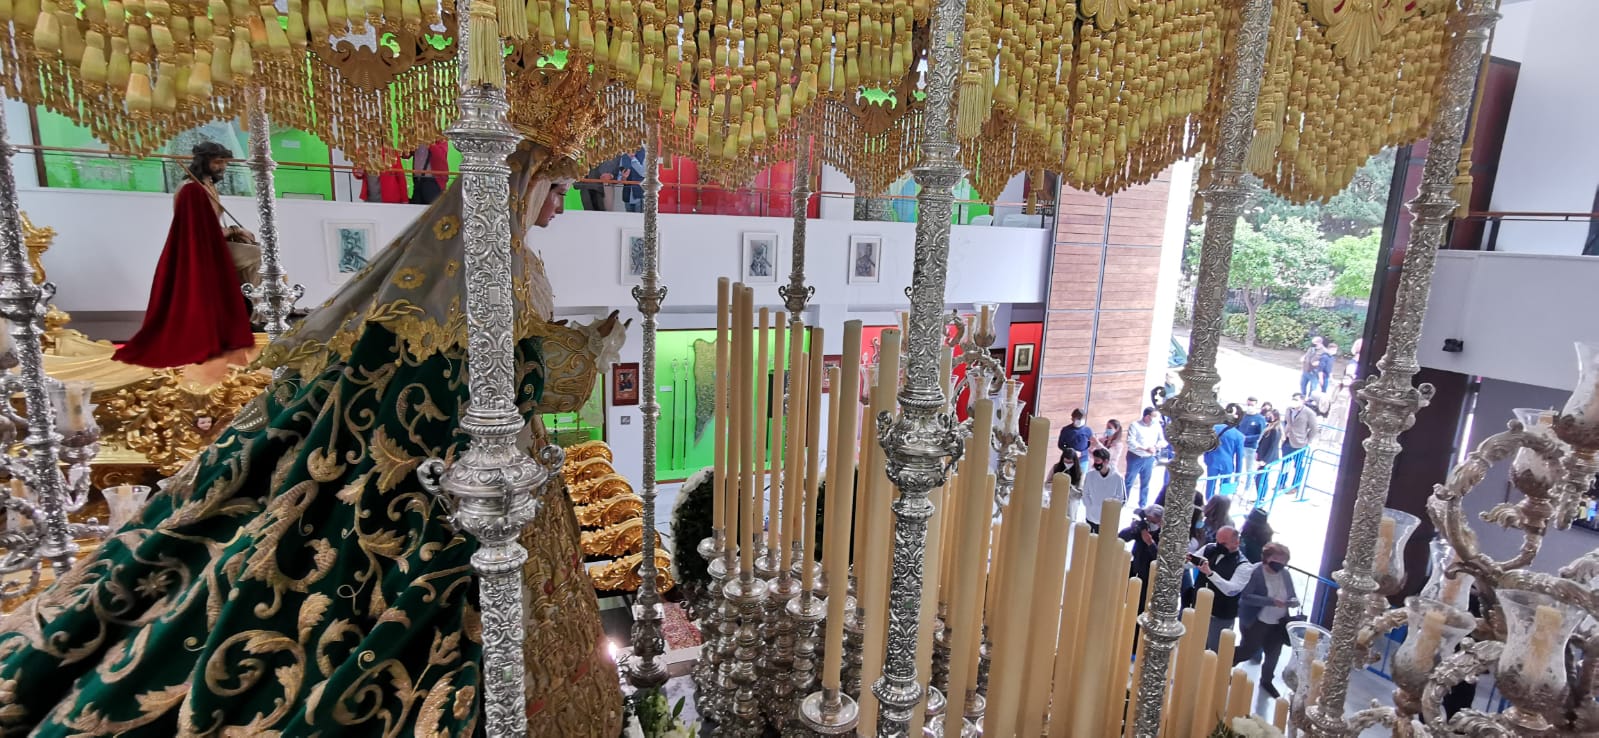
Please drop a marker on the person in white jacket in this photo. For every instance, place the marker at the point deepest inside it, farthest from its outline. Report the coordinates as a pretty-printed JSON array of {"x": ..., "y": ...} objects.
[{"x": 1101, "y": 483}]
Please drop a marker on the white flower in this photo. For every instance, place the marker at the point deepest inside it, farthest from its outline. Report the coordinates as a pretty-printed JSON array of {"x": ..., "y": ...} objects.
[
  {"x": 1250, "y": 726},
  {"x": 633, "y": 729}
]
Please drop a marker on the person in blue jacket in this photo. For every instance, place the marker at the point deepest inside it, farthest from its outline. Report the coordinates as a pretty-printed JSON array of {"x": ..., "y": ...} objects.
[
  {"x": 1252, "y": 425},
  {"x": 1077, "y": 436},
  {"x": 1224, "y": 462}
]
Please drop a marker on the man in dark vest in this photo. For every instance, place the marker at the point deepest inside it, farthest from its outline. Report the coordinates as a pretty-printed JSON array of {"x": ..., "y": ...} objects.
[{"x": 1225, "y": 572}]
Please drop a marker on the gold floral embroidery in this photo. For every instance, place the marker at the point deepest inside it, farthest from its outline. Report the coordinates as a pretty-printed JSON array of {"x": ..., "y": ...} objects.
[
  {"x": 447, "y": 228},
  {"x": 452, "y": 268},
  {"x": 409, "y": 278}
]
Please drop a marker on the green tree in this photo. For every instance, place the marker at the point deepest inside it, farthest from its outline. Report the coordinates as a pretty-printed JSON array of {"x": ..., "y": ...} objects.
[
  {"x": 1354, "y": 261},
  {"x": 1355, "y": 210},
  {"x": 1282, "y": 257}
]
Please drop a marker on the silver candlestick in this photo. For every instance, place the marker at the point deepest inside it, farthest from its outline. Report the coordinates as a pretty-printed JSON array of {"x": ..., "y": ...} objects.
[
  {"x": 707, "y": 667},
  {"x": 273, "y": 298},
  {"x": 1194, "y": 412},
  {"x": 494, "y": 485},
  {"x": 51, "y": 537},
  {"x": 644, "y": 668}
]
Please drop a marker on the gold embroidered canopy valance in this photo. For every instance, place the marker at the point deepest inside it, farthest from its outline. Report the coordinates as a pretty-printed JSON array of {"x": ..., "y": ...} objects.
[{"x": 1106, "y": 92}]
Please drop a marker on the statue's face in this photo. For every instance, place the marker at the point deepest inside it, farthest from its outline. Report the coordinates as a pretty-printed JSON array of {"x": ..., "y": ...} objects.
[{"x": 554, "y": 204}]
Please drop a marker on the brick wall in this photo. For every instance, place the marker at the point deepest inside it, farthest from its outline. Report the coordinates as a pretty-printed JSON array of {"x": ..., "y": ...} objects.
[{"x": 1101, "y": 301}]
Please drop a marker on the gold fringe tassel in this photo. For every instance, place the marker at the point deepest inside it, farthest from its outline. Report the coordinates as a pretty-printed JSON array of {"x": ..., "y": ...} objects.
[
  {"x": 485, "y": 63},
  {"x": 513, "y": 19}
]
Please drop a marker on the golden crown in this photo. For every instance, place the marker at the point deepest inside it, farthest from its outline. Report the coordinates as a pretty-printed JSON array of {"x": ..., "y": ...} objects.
[{"x": 556, "y": 108}]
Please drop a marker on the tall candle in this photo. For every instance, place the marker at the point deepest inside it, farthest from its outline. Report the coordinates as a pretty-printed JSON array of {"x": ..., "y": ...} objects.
[
  {"x": 733, "y": 489},
  {"x": 1205, "y": 713},
  {"x": 1008, "y": 670},
  {"x": 1317, "y": 670},
  {"x": 946, "y": 375},
  {"x": 878, "y": 530},
  {"x": 813, "y": 420},
  {"x": 843, "y": 455},
  {"x": 930, "y": 574},
  {"x": 1279, "y": 715},
  {"x": 1048, "y": 583},
  {"x": 1192, "y": 645},
  {"x": 750, "y": 527},
  {"x": 966, "y": 583},
  {"x": 794, "y": 482},
  {"x": 1072, "y": 626},
  {"x": 835, "y": 489},
  {"x": 1239, "y": 694},
  {"x": 719, "y": 437},
  {"x": 1109, "y": 572},
  {"x": 760, "y": 419},
  {"x": 774, "y": 506},
  {"x": 1122, "y": 653},
  {"x": 985, "y": 319}
]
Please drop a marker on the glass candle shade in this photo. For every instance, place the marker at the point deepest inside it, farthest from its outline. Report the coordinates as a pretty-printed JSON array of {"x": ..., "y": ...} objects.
[
  {"x": 1309, "y": 642},
  {"x": 16, "y": 519},
  {"x": 1578, "y": 423},
  {"x": 985, "y": 323},
  {"x": 1392, "y": 535},
  {"x": 1532, "y": 666},
  {"x": 1454, "y": 591},
  {"x": 1011, "y": 408},
  {"x": 1531, "y": 472},
  {"x": 125, "y": 501},
  {"x": 1435, "y": 630},
  {"x": 74, "y": 410}
]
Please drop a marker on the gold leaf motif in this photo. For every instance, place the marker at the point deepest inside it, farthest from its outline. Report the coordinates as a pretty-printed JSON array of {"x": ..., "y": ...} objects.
[
  {"x": 311, "y": 613},
  {"x": 323, "y": 466},
  {"x": 392, "y": 462}
]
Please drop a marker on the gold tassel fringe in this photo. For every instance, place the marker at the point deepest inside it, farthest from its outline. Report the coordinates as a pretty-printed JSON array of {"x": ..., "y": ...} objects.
[{"x": 486, "y": 62}]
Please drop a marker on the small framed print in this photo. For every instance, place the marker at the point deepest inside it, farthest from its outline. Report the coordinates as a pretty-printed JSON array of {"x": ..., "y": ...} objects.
[
  {"x": 631, "y": 257},
  {"x": 865, "y": 259},
  {"x": 830, "y": 362},
  {"x": 350, "y": 247},
  {"x": 1022, "y": 360},
  {"x": 624, "y": 384},
  {"x": 760, "y": 258}
]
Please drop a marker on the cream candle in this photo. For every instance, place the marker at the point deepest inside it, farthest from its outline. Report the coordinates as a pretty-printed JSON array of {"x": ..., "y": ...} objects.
[
  {"x": 8, "y": 346},
  {"x": 761, "y": 421},
  {"x": 733, "y": 486},
  {"x": 877, "y": 531},
  {"x": 1239, "y": 695},
  {"x": 774, "y": 504},
  {"x": 842, "y": 458},
  {"x": 1385, "y": 548},
  {"x": 1115, "y": 693},
  {"x": 1205, "y": 714},
  {"x": 813, "y": 435},
  {"x": 965, "y": 599},
  {"x": 1008, "y": 669},
  {"x": 1279, "y": 714},
  {"x": 929, "y": 610},
  {"x": 1072, "y": 626},
  {"x": 794, "y": 481},
  {"x": 985, "y": 318},
  {"x": 1110, "y": 572},
  {"x": 719, "y": 418},
  {"x": 750, "y": 493}
]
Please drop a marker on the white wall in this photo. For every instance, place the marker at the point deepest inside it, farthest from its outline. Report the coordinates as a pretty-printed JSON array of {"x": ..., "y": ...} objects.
[
  {"x": 1517, "y": 313},
  {"x": 1171, "y": 267},
  {"x": 108, "y": 244},
  {"x": 1510, "y": 32},
  {"x": 1550, "y": 161}
]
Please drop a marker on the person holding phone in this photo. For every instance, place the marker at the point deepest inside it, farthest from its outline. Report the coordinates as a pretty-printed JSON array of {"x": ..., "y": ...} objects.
[
  {"x": 1224, "y": 571},
  {"x": 1263, "y": 611}
]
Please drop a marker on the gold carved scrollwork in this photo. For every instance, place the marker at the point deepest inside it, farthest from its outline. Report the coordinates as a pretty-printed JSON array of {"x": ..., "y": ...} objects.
[
  {"x": 610, "y": 512},
  {"x": 587, "y": 470},
  {"x": 604, "y": 488},
  {"x": 168, "y": 422},
  {"x": 622, "y": 574},
  {"x": 588, "y": 450},
  {"x": 623, "y": 538}
]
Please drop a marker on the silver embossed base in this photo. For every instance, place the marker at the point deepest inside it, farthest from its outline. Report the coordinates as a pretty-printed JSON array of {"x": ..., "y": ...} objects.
[{"x": 829, "y": 713}]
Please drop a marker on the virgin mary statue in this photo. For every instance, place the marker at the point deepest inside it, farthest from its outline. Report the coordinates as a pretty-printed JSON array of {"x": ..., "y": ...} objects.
[{"x": 295, "y": 579}]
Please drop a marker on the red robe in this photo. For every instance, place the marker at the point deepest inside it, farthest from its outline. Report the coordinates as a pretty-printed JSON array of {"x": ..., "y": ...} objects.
[{"x": 196, "y": 310}]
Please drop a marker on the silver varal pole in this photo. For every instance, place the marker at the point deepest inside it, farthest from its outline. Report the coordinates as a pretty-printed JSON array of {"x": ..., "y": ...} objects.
[
  {"x": 494, "y": 484},
  {"x": 921, "y": 443},
  {"x": 274, "y": 298},
  {"x": 796, "y": 293},
  {"x": 644, "y": 667},
  {"x": 1390, "y": 401},
  {"x": 1195, "y": 411}
]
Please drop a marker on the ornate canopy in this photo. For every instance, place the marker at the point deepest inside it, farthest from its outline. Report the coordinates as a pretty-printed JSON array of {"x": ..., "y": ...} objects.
[{"x": 1107, "y": 92}]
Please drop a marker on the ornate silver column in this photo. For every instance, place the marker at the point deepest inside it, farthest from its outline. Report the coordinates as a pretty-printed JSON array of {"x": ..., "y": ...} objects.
[
  {"x": 24, "y": 304},
  {"x": 494, "y": 484},
  {"x": 273, "y": 297},
  {"x": 1196, "y": 409},
  {"x": 920, "y": 445},
  {"x": 796, "y": 293},
  {"x": 1389, "y": 401},
  {"x": 644, "y": 668}
]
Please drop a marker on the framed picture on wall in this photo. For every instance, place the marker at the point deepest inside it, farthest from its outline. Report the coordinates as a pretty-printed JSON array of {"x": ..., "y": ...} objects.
[
  {"x": 830, "y": 361},
  {"x": 1022, "y": 360},
  {"x": 350, "y": 245},
  {"x": 865, "y": 259},
  {"x": 759, "y": 257},
  {"x": 624, "y": 384},
  {"x": 631, "y": 256}
]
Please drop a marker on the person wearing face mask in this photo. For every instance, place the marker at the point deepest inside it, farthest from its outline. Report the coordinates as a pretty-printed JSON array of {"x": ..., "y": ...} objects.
[
  {"x": 1077, "y": 436},
  {"x": 1102, "y": 483},
  {"x": 1224, "y": 571},
  {"x": 1300, "y": 427},
  {"x": 1263, "y": 613},
  {"x": 1144, "y": 534},
  {"x": 1251, "y": 424},
  {"x": 1115, "y": 442}
]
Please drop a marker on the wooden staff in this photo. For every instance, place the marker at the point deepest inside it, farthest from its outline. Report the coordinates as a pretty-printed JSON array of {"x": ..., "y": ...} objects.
[
  {"x": 1049, "y": 582},
  {"x": 878, "y": 532},
  {"x": 813, "y": 439},
  {"x": 965, "y": 601},
  {"x": 1008, "y": 670},
  {"x": 838, "y": 536},
  {"x": 719, "y": 437}
]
